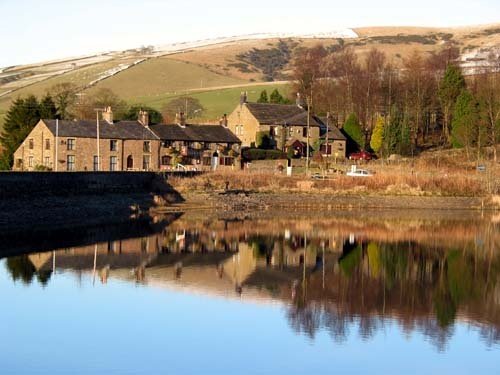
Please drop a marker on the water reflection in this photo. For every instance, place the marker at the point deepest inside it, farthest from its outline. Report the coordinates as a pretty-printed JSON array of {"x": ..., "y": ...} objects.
[{"x": 334, "y": 273}]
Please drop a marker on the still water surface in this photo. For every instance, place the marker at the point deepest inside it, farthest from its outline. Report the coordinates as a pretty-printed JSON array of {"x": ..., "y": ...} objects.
[{"x": 280, "y": 293}]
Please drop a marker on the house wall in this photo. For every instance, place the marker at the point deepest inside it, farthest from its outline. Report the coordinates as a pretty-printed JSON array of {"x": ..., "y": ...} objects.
[
  {"x": 39, "y": 153},
  {"x": 84, "y": 151},
  {"x": 243, "y": 124}
]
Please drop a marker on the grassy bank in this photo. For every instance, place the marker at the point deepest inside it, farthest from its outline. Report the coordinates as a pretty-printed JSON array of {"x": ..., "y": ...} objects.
[{"x": 390, "y": 182}]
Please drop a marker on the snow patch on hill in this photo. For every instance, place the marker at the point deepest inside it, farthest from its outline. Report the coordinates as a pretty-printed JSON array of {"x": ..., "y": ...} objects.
[{"x": 179, "y": 47}]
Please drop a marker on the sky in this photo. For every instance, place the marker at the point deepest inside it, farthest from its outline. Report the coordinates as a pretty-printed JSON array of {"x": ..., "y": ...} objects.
[{"x": 35, "y": 30}]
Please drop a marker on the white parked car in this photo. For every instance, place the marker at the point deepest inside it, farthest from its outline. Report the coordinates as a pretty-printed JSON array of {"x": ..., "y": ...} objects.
[{"x": 359, "y": 173}]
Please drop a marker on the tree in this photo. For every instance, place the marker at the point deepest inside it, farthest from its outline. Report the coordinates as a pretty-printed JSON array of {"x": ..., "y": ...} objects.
[
  {"x": 464, "y": 130},
  {"x": 392, "y": 132},
  {"x": 277, "y": 98},
  {"x": 262, "y": 140},
  {"x": 191, "y": 107},
  {"x": 263, "y": 97},
  {"x": 450, "y": 88},
  {"x": 132, "y": 113},
  {"x": 353, "y": 130},
  {"x": 105, "y": 97},
  {"x": 65, "y": 98},
  {"x": 377, "y": 139},
  {"x": 20, "y": 119},
  {"x": 48, "y": 108}
]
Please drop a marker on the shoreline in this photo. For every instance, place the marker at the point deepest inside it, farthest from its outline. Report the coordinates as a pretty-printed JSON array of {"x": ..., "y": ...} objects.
[{"x": 249, "y": 201}]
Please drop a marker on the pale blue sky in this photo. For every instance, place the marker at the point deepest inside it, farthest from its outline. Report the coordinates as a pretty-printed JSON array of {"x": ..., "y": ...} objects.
[{"x": 34, "y": 30}]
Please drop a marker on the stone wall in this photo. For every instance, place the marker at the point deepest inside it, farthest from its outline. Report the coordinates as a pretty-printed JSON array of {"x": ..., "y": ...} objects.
[{"x": 32, "y": 184}]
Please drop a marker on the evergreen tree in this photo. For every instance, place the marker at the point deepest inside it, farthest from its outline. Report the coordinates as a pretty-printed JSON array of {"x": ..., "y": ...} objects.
[
  {"x": 48, "y": 108},
  {"x": 263, "y": 97},
  {"x": 377, "y": 139},
  {"x": 450, "y": 88},
  {"x": 276, "y": 97},
  {"x": 353, "y": 130},
  {"x": 392, "y": 132},
  {"x": 464, "y": 130},
  {"x": 21, "y": 118}
]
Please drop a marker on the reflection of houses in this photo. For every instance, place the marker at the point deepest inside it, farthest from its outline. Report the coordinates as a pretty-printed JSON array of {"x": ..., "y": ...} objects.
[
  {"x": 196, "y": 145},
  {"x": 282, "y": 124},
  {"x": 123, "y": 145}
]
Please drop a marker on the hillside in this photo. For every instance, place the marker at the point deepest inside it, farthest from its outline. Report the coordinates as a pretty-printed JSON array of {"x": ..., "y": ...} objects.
[{"x": 215, "y": 71}]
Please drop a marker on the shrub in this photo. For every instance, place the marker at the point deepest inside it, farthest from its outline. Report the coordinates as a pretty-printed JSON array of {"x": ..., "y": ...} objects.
[{"x": 259, "y": 154}]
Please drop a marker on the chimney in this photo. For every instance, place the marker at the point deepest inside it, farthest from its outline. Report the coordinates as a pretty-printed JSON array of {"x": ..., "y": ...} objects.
[
  {"x": 180, "y": 119},
  {"x": 143, "y": 117},
  {"x": 223, "y": 121},
  {"x": 299, "y": 102},
  {"x": 107, "y": 115},
  {"x": 243, "y": 98}
]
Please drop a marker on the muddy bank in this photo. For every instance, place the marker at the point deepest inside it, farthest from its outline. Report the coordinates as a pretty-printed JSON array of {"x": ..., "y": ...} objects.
[{"x": 241, "y": 201}]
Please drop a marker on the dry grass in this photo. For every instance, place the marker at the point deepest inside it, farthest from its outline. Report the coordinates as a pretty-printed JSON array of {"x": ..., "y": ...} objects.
[{"x": 386, "y": 183}]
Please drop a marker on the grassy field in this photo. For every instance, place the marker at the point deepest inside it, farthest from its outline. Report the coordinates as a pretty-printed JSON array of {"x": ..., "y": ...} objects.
[
  {"x": 163, "y": 76},
  {"x": 216, "y": 102}
]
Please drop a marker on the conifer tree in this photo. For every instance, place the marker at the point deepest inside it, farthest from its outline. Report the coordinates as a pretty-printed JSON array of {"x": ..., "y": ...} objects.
[
  {"x": 464, "y": 129},
  {"x": 450, "y": 88},
  {"x": 21, "y": 118},
  {"x": 263, "y": 97},
  {"x": 353, "y": 130}
]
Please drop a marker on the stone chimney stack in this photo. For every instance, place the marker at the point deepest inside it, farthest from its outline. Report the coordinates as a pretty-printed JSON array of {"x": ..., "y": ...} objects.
[
  {"x": 143, "y": 117},
  {"x": 243, "y": 97},
  {"x": 180, "y": 119},
  {"x": 299, "y": 102},
  {"x": 107, "y": 115},
  {"x": 223, "y": 120}
]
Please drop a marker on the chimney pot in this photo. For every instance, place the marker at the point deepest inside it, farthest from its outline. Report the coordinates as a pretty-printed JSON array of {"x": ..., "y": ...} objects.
[
  {"x": 107, "y": 115},
  {"x": 143, "y": 117}
]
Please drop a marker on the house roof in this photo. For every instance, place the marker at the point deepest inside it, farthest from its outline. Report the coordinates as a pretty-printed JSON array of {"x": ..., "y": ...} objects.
[
  {"x": 195, "y": 133},
  {"x": 88, "y": 129},
  {"x": 278, "y": 114}
]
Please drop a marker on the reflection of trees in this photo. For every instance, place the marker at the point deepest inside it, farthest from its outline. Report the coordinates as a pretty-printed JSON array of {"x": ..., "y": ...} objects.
[
  {"x": 21, "y": 268},
  {"x": 423, "y": 289}
]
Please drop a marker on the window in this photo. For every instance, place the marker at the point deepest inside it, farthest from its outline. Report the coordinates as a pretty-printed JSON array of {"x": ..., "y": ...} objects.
[
  {"x": 304, "y": 131},
  {"x": 113, "y": 163},
  {"x": 31, "y": 144},
  {"x": 147, "y": 146},
  {"x": 167, "y": 144},
  {"x": 46, "y": 161},
  {"x": 113, "y": 145},
  {"x": 71, "y": 163},
  {"x": 47, "y": 144},
  {"x": 70, "y": 144},
  {"x": 146, "y": 161},
  {"x": 30, "y": 161},
  {"x": 96, "y": 163}
]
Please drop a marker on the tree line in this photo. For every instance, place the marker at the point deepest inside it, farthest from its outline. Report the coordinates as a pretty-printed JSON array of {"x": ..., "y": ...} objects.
[{"x": 425, "y": 102}]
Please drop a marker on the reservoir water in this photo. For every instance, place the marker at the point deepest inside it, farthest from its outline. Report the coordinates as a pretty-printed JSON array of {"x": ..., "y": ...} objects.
[{"x": 256, "y": 293}]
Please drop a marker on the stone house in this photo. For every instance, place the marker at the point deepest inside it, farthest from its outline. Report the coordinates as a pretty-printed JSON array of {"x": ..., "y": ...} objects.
[
  {"x": 72, "y": 146},
  {"x": 196, "y": 146},
  {"x": 333, "y": 142},
  {"x": 283, "y": 124}
]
